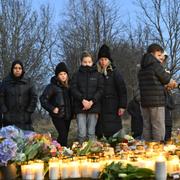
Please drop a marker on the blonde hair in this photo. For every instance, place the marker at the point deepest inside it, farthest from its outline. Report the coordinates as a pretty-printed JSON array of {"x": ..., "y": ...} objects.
[{"x": 104, "y": 71}]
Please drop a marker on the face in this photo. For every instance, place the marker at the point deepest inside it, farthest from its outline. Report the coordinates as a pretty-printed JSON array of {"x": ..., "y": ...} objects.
[
  {"x": 62, "y": 76},
  {"x": 104, "y": 62},
  {"x": 87, "y": 61},
  {"x": 17, "y": 70},
  {"x": 163, "y": 57},
  {"x": 158, "y": 55}
]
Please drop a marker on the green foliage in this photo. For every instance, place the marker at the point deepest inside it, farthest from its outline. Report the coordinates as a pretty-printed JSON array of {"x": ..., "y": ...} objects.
[
  {"x": 116, "y": 171},
  {"x": 86, "y": 149}
]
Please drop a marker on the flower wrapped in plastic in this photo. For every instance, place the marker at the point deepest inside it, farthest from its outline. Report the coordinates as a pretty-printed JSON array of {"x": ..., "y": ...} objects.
[
  {"x": 21, "y": 146},
  {"x": 8, "y": 150}
]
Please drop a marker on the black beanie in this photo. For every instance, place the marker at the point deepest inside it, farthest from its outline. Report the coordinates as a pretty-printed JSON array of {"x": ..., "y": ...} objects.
[
  {"x": 17, "y": 62},
  {"x": 104, "y": 51},
  {"x": 61, "y": 67}
]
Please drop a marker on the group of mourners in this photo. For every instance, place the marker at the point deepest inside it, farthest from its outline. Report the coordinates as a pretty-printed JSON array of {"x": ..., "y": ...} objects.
[{"x": 95, "y": 96}]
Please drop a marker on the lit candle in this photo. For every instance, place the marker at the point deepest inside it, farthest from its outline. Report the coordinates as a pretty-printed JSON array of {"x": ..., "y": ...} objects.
[
  {"x": 54, "y": 172},
  {"x": 173, "y": 165},
  {"x": 95, "y": 170},
  {"x": 74, "y": 171},
  {"x": 170, "y": 147},
  {"x": 160, "y": 168},
  {"x": 85, "y": 169},
  {"x": 149, "y": 163},
  {"x": 65, "y": 170},
  {"x": 38, "y": 170},
  {"x": 102, "y": 163},
  {"x": 141, "y": 163},
  {"x": 27, "y": 171}
]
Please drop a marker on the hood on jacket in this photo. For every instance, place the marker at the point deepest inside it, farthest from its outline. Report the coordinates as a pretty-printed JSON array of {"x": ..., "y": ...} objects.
[
  {"x": 147, "y": 60},
  {"x": 12, "y": 66}
]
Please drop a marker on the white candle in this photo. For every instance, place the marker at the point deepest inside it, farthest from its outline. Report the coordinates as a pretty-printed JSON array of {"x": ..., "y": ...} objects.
[
  {"x": 64, "y": 170},
  {"x": 173, "y": 165},
  {"x": 150, "y": 164},
  {"x": 85, "y": 169},
  {"x": 38, "y": 170},
  {"x": 54, "y": 170},
  {"x": 74, "y": 169},
  {"x": 27, "y": 172},
  {"x": 95, "y": 170},
  {"x": 170, "y": 147},
  {"x": 160, "y": 168}
]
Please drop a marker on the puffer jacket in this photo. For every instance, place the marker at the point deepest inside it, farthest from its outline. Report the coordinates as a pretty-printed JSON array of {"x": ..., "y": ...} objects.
[{"x": 152, "y": 78}]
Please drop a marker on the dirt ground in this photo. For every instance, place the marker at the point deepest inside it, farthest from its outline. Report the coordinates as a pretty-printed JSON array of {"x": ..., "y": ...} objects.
[{"x": 44, "y": 126}]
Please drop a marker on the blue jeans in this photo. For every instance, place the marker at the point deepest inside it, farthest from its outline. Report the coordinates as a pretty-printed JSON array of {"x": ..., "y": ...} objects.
[{"x": 86, "y": 126}]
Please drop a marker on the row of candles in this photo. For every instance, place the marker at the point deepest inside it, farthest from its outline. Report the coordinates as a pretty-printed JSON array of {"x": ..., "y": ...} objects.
[
  {"x": 83, "y": 167},
  {"x": 58, "y": 168}
]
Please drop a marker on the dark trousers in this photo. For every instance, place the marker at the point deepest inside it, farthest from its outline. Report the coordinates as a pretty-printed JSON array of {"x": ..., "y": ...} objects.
[
  {"x": 62, "y": 127},
  {"x": 136, "y": 126},
  {"x": 168, "y": 124}
]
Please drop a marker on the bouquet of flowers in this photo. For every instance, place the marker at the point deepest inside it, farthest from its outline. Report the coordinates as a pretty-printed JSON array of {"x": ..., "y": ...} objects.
[
  {"x": 21, "y": 146},
  {"x": 39, "y": 146},
  {"x": 87, "y": 148},
  {"x": 12, "y": 139},
  {"x": 118, "y": 137}
]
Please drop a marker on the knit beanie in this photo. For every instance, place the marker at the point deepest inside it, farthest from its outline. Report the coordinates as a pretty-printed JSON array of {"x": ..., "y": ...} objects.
[
  {"x": 61, "y": 67},
  {"x": 104, "y": 51}
]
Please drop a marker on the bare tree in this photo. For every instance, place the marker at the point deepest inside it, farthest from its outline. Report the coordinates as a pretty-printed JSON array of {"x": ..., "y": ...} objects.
[
  {"x": 162, "y": 17},
  {"x": 88, "y": 24},
  {"x": 24, "y": 35}
]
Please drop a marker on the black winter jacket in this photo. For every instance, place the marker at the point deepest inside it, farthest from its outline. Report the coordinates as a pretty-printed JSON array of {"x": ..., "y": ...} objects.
[
  {"x": 152, "y": 78},
  {"x": 56, "y": 95},
  {"x": 87, "y": 84},
  {"x": 17, "y": 100},
  {"x": 115, "y": 97}
]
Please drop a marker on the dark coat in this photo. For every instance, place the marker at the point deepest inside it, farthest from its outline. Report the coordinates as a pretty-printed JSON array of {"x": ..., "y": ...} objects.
[
  {"x": 17, "y": 100},
  {"x": 136, "y": 117},
  {"x": 56, "y": 95},
  {"x": 152, "y": 78},
  {"x": 87, "y": 84},
  {"x": 115, "y": 97}
]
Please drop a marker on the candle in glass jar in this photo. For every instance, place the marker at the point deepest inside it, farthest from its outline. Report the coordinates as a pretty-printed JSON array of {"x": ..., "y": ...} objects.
[
  {"x": 27, "y": 171},
  {"x": 54, "y": 172},
  {"x": 173, "y": 164},
  {"x": 95, "y": 168},
  {"x": 85, "y": 169},
  {"x": 149, "y": 163},
  {"x": 160, "y": 168},
  {"x": 64, "y": 170},
  {"x": 74, "y": 171},
  {"x": 38, "y": 170}
]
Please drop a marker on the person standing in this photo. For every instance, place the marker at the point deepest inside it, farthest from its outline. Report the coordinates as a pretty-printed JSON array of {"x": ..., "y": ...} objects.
[
  {"x": 87, "y": 90},
  {"x": 114, "y": 100},
  {"x": 169, "y": 104},
  {"x": 152, "y": 79},
  {"x": 17, "y": 98},
  {"x": 136, "y": 117},
  {"x": 56, "y": 99}
]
